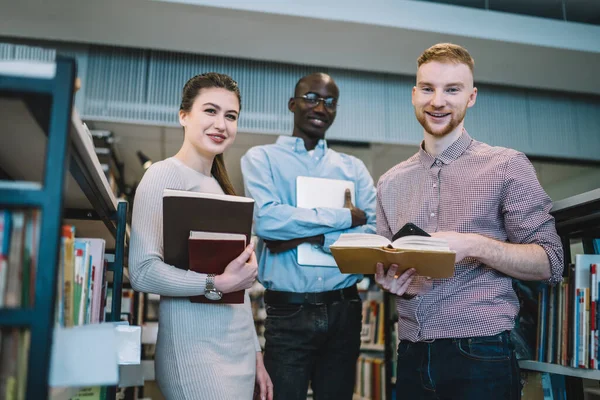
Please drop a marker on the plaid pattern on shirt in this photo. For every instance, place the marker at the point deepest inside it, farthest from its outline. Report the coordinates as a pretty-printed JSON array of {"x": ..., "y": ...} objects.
[{"x": 470, "y": 188}]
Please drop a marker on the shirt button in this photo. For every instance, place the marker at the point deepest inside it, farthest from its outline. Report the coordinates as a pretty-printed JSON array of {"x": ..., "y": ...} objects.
[
  {"x": 432, "y": 214},
  {"x": 418, "y": 297},
  {"x": 435, "y": 185},
  {"x": 319, "y": 278}
]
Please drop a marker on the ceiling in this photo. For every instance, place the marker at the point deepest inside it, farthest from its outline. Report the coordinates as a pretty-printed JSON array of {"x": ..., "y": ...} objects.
[
  {"x": 584, "y": 11},
  {"x": 378, "y": 36}
]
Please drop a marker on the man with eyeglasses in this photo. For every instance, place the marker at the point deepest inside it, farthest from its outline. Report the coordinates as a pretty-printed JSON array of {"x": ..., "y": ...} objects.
[{"x": 314, "y": 313}]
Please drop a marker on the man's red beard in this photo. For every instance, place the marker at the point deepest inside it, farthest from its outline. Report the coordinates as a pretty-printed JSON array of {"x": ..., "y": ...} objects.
[{"x": 455, "y": 120}]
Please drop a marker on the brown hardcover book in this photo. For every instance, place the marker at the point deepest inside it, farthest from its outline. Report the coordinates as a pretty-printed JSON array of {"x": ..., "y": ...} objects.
[
  {"x": 210, "y": 253},
  {"x": 357, "y": 253},
  {"x": 184, "y": 212}
]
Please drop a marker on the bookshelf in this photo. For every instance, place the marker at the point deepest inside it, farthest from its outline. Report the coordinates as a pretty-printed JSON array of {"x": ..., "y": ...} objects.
[
  {"x": 48, "y": 162},
  {"x": 559, "y": 369},
  {"x": 577, "y": 218},
  {"x": 375, "y": 359},
  {"x": 390, "y": 318}
]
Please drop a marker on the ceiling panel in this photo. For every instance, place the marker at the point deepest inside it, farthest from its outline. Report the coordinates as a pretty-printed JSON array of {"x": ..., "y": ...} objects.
[{"x": 585, "y": 11}]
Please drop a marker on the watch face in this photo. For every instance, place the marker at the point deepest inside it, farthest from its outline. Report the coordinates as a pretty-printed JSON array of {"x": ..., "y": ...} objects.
[{"x": 212, "y": 295}]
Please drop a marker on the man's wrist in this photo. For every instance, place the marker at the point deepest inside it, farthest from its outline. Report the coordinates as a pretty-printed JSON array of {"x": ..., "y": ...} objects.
[{"x": 477, "y": 244}]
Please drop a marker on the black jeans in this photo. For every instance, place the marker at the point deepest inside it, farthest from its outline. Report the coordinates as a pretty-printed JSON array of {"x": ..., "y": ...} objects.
[
  {"x": 319, "y": 343},
  {"x": 474, "y": 368}
]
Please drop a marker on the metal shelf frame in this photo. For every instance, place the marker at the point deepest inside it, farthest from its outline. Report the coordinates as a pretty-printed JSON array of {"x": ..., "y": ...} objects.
[{"x": 50, "y": 102}]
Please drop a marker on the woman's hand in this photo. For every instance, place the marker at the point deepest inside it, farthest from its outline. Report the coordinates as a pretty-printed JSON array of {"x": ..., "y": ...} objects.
[
  {"x": 264, "y": 386},
  {"x": 240, "y": 274}
]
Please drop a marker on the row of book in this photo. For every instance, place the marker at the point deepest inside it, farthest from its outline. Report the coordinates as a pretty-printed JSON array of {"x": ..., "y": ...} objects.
[
  {"x": 19, "y": 240},
  {"x": 81, "y": 291},
  {"x": 370, "y": 378},
  {"x": 543, "y": 386},
  {"x": 81, "y": 287},
  {"x": 373, "y": 327},
  {"x": 568, "y": 317}
]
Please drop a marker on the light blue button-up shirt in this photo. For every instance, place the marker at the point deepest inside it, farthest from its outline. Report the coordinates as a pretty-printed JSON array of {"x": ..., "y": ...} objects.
[{"x": 270, "y": 173}]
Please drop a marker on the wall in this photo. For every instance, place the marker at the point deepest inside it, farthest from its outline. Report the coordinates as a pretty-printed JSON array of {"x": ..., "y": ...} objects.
[{"x": 143, "y": 87}]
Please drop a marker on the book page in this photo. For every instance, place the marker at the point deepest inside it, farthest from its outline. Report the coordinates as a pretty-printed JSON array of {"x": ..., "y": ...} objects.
[
  {"x": 217, "y": 236},
  {"x": 421, "y": 243},
  {"x": 361, "y": 240}
]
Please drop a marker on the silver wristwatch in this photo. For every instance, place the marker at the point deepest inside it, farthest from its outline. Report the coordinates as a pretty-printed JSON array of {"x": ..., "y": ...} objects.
[{"x": 210, "y": 292}]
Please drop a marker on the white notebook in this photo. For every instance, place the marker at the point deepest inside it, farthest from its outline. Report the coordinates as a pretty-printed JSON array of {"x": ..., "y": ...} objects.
[{"x": 320, "y": 192}]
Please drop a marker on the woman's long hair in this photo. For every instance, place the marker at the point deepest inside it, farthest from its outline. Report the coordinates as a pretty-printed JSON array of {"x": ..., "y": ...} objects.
[{"x": 191, "y": 90}]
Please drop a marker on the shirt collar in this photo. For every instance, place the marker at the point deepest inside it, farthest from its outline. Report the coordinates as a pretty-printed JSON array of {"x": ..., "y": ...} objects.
[
  {"x": 454, "y": 151},
  {"x": 297, "y": 145}
]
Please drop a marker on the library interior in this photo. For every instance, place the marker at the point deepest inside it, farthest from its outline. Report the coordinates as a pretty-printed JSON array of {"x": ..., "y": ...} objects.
[{"x": 92, "y": 120}]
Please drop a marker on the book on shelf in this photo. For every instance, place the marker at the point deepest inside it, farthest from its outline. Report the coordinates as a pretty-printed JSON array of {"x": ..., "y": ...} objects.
[
  {"x": 19, "y": 243},
  {"x": 360, "y": 252},
  {"x": 568, "y": 318},
  {"x": 314, "y": 193},
  {"x": 189, "y": 219},
  {"x": 373, "y": 321},
  {"x": 370, "y": 378},
  {"x": 81, "y": 274}
]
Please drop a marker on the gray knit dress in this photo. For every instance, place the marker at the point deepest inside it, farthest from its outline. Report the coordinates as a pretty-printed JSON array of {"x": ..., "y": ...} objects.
[{"x": 203, "y": 351}]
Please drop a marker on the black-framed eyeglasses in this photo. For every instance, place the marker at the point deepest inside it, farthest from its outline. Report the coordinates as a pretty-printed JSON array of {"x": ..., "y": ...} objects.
[{"x": 312, "y": 100}]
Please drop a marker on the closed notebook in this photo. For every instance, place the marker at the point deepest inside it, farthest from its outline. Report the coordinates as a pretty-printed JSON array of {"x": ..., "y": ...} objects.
[
  {"x": 184, "y": 212},
  {"x": 314, "y": 193},
  {"x": 210, "y": 253},
  {"x": 359, "y": 253}
]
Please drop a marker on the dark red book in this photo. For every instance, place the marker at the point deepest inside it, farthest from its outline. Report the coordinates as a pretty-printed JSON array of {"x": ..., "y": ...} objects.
[
  {"x": 210, "y": 253},
  {"x": 184, "y": 212}
]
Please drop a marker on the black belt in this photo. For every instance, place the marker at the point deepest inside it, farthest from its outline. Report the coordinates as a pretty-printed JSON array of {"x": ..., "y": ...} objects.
[
  {"x": 277, "y": 297},
  {"x": 505, "y": 335}
]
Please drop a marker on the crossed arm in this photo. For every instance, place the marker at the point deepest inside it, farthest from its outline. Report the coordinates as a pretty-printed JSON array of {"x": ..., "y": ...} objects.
[{"x": 284, "y": 227}]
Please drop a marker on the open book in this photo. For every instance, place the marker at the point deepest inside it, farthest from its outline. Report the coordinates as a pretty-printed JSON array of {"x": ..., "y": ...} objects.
[{"x": 360, "y": 253}]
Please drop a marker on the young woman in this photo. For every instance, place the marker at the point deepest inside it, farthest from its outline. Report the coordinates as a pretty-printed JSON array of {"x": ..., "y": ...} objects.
[{"x": 203, "y": 351}]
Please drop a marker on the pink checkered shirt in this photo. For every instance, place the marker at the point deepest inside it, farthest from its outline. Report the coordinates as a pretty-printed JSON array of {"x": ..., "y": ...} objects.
[{"x": 470, "y": 188}]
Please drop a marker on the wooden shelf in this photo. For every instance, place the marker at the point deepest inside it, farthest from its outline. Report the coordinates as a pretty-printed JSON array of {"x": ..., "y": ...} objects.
[{"x": 559, "y": 369}]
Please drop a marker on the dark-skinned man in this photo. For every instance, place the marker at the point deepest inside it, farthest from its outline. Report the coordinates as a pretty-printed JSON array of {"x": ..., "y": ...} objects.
[{"x": 313, "y": 323}]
